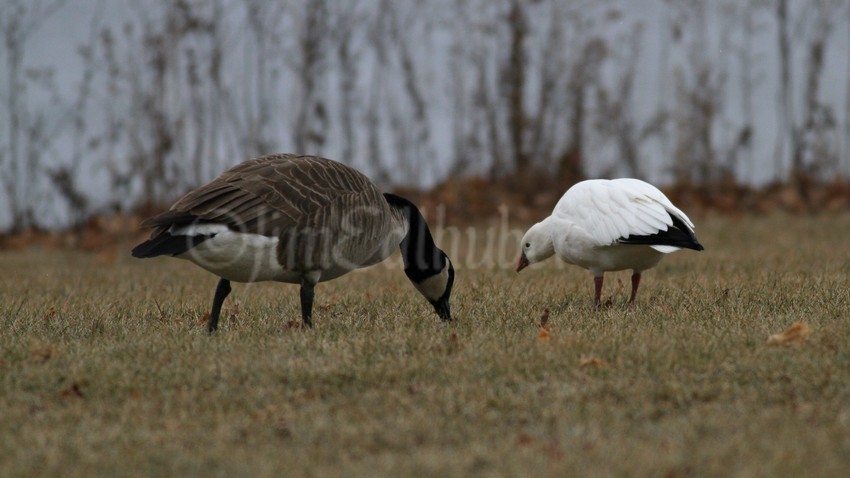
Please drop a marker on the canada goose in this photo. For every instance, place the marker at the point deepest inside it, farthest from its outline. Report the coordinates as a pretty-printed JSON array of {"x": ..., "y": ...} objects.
[
  {"x": 299, "y": 220},
  {"x": 610, "y": 225}
]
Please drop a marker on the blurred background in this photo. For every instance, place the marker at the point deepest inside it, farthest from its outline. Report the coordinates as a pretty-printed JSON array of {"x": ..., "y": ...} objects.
[{"x": 118, "y": 107}]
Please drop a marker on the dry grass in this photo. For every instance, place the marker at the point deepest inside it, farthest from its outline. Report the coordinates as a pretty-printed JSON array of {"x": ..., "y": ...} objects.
[{"x": 106, "y": 370}]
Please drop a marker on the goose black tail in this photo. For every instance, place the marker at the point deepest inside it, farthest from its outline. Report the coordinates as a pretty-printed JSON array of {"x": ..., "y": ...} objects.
[
  {"x": 165, "y": 244},
  {"x": 677, "y": 235}
]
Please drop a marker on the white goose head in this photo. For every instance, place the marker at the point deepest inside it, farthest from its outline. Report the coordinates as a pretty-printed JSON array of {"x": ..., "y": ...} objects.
[{"x": 536, "y": 245}]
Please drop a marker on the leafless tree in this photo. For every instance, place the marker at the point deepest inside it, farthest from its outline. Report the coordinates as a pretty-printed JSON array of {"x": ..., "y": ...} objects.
[
  {"x": 815, "y": 146},
  {"x": 844, "y": 170},
  {"x": 64, "y": 176},
  {"x": 615, "y": 111},
  {"x": 568, "y": 76},
  {"x": 751, "y": 76},
  {"x": 784, "y": 94},
  {"x": 513, "y": 81},
  {"x": 345, "y": 29},
  {"x": 377, "y": 80},
  {"x": 415, "y": 150},
  {"x": 311, "y": 124},
  {"x": 26, "y": 141},
  {"x": 701, "y": 84}
]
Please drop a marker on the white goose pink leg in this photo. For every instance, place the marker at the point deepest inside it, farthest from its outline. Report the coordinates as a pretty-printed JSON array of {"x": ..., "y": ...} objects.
[
  {"x": 597, "y": 281},
  {"x": 635, "y": 284}
]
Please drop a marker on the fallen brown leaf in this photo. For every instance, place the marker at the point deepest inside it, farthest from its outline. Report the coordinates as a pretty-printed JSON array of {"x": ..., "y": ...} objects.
[
  {"x": 51, "y": 313},
  {"x": 72, "y": 391},
  {"x": 798, "y": 332},
  {"x": 553, "y": 450},
  {"x": 453, "y": 344},
  {"x": 544, "y": 333},
  {"x": 282, "y": 428},
  {"x": 593, "y": 362},
  {"x": 41, "y": 352},
  {"x": 544, "y": 320}
]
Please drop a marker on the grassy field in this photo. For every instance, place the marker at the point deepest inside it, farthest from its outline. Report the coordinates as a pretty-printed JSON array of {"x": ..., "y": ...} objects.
[{"x": 106, "y": 368}]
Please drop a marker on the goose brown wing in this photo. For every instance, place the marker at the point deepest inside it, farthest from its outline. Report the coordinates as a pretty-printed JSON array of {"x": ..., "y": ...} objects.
[{"x": 271, "y": 194}]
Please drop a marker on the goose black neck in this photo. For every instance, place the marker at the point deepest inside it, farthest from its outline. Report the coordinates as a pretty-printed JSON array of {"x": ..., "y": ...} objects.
[{"x": 422, "y": 258}]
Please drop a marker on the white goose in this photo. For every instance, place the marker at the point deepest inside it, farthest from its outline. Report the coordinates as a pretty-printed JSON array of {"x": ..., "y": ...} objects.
[{"x": 610, "y": 225}]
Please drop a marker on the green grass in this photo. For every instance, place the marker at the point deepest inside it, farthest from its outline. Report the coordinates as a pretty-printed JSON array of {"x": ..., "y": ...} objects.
[{"x": 106, "y": 370}]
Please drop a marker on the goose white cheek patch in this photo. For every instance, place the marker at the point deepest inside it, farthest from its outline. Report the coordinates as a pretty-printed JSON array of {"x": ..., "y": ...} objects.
[{"x": 434, "y": 287}]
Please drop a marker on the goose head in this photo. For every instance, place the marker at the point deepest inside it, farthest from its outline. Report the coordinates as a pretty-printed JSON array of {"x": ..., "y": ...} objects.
[
  {"x": 435, "y": 281},
  {"x": 536, "y": 245}
]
